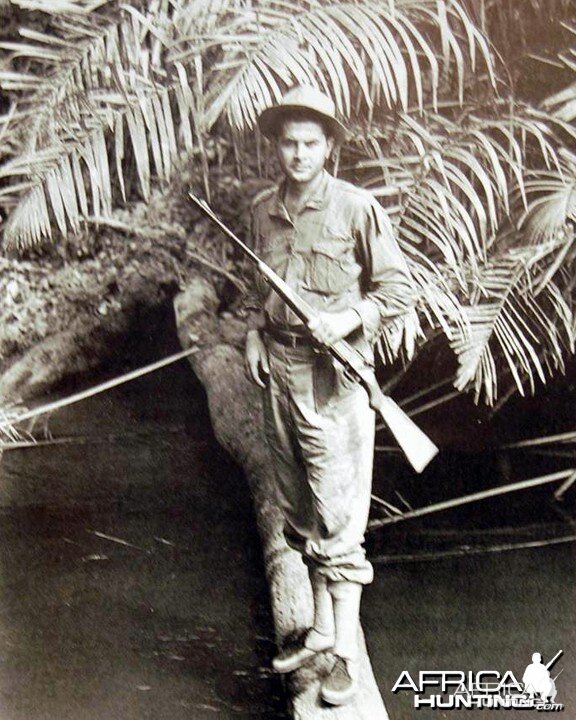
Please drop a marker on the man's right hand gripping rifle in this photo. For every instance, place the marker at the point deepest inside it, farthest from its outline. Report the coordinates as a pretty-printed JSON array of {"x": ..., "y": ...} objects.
[
  {"x": 325, "y": 329},
  {"x": 330, "y": 334}
]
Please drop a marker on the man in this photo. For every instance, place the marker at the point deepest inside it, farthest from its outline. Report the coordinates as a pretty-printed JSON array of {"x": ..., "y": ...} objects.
[
  {"x": 333, "y": 244},
  {"x": 537, "y": 680}
]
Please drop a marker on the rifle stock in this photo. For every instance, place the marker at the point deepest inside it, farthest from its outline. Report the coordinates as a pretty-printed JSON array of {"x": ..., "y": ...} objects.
[{"x": 417, "y": 446}]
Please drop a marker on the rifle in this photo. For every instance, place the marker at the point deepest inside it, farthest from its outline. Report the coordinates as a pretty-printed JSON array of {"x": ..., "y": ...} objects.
[
  {"x": 416, "y": 445},
  {"x": 551, "y": 662}
]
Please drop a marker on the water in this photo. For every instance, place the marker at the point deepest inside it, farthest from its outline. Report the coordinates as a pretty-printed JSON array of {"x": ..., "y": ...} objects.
[
  {"x": 489, "y": 612},
  {"x": 132, "y": 581}
]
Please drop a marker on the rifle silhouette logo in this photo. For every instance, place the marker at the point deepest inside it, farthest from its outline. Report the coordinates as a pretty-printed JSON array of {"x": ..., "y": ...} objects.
[{"x": 538, "y": 680}]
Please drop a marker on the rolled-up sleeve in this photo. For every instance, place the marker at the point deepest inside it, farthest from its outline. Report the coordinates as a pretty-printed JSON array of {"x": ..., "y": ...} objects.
[{"x": 388, "y": 289}]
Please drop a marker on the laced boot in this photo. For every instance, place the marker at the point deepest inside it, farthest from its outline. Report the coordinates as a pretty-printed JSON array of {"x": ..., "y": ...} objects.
[{"x": 341, "y": 684}]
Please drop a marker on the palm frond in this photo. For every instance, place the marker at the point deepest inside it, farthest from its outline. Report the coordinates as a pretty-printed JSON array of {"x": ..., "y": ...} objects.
[
  {"x": 9, "y": 431},
  {"x": 400, "y": 336},
  {"x": 562, "y": 104},
  {"x": 384, "y": 50},
  {"x": 110, "y": 83},
  {"x": 103, "y": 86},
  {"x": 530, "y": 333},
  {"x": 455, "y": 192},
  {"x": 454, "y": 185},
  {"x": 551, "y": 204},
  {"x": 111, "y": 98}
]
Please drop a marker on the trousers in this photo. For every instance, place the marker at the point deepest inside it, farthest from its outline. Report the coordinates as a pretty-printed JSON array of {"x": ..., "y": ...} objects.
[{"x": 320, "y": 429}]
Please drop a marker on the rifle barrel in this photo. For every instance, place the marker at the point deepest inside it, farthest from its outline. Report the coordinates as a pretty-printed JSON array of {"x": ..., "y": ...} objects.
[
  {"x": 551, "y": 662},
  {"x": 204, "y": 207}
]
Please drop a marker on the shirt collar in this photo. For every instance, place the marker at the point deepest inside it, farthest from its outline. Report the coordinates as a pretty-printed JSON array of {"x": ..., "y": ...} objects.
[
  {"x": 319, "y": 195},
  {"x": 317, "y": 200}
]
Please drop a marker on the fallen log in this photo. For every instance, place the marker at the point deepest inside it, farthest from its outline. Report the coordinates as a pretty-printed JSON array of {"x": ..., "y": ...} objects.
[{"x": 235, "y": 409}]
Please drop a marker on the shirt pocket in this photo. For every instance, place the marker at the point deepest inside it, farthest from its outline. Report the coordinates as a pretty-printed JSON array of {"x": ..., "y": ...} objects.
[
  {"x": 332, "y": 267},
  {"x": 275, "y": 254}
]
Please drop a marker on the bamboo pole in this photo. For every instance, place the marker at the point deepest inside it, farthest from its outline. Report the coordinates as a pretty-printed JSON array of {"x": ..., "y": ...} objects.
[
  {"x": 434, "y": 403},
  {"x": 403, "y": 500},
  {"x": 465, "y": 551},
  {"x": 560, "y": 492},
  {"x": 547, "y": 440},
  {"x": 90, "y": 440},
  {"x": 102, "y": 387},
  {"x": 425, "y": 391},
  {"x": 386, "y": 505},
  {"x": 475, "y": 497},
  {"x": 427, "y": 406}
]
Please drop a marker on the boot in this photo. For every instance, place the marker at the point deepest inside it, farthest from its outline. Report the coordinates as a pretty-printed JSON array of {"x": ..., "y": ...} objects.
[
  {"x": 318, "y": 638},
  {"x": 342, "y": 683}
]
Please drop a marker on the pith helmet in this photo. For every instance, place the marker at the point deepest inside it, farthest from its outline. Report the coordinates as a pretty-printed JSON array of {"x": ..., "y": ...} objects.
[{"x": 302, "y": 97}]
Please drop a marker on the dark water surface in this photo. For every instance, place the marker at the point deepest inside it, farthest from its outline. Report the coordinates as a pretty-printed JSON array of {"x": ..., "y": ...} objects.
[
  {"x": 132, "y": 585},
  {"x": 489, "y": 612},
  {"x": 133, "y": 588}
]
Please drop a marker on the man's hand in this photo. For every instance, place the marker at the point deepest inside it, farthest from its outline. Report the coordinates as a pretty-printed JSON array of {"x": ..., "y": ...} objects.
[
  {"x": 328, "y": 328},
  {"x": 256, "y": 358}
]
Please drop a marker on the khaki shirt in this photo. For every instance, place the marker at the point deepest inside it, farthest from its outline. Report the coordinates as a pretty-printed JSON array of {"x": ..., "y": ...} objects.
[{"x": 339, "y": 252}]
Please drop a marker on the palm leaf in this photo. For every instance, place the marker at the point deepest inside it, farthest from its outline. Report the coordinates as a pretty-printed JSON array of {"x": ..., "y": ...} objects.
[
  {"x": 321, "y": 44},
  {"x": 551, "y": 205},
  {"x": 108, "y": 79},
  {"x": 454, "y": 202},
  {"x": 114, "y": 91},
  {"x": 562, "y": 104},
  {"x": 135, "y": 82},
  {"x": 509, "y": 324},
  {"x": 464, "y": 182}
]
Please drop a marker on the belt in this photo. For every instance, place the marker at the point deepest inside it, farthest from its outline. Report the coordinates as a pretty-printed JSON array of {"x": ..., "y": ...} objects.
[{"x": 291, "y": 338}]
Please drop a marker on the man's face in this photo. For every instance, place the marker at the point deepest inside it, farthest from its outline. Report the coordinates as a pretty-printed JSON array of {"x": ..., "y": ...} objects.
[{"x": 303, "y": 149}]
